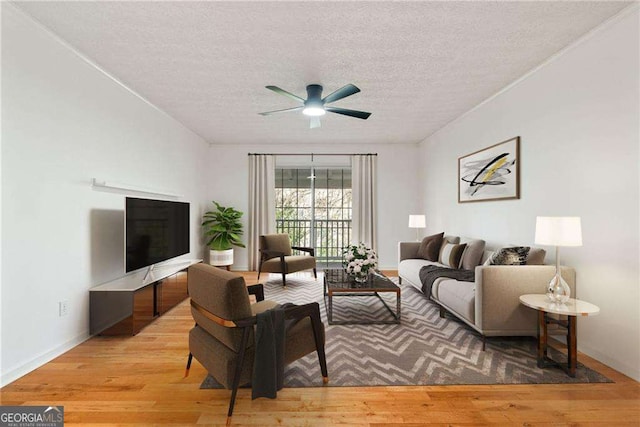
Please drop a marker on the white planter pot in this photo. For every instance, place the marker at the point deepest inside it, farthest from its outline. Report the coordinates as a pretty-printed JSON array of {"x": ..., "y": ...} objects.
[{"x": 221, "y": 258}]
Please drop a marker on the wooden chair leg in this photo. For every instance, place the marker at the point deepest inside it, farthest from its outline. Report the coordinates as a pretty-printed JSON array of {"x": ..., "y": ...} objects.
[
  {"x": 317, "y": 335},
  {"x": 186, "y": 371},
  {"x": 315, "y": 273},
  {"x": 236, "y": 378},
  {"x": 283, "y": 268}
]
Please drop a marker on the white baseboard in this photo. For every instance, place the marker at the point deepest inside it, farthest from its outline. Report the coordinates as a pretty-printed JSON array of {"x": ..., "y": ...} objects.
[
  {"x": 35, "y": 363},
  {"x": 628, "y": 370}
]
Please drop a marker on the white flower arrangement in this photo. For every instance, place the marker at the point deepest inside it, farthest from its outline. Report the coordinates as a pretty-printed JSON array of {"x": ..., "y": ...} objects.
[{"x": 358, "y": 259}]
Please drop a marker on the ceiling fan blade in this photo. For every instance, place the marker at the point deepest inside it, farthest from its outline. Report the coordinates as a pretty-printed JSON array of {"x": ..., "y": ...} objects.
[
  {"x": 343, "y": 92},
  {"x": 276, "y": 89},
  {"x": 351, "y": 113},
  {"x": 314, "y": 122},
  {"x": 286, "y": 110}
]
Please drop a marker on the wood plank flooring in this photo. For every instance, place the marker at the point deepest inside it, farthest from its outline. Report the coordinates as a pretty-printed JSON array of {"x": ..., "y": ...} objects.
[{"x": 140, "y": 380}]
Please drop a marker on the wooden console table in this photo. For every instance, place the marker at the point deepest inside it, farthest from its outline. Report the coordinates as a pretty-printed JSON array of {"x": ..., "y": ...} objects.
[
  {"x": 127, "y": 304},
  {"x": 571, "y": 309}
]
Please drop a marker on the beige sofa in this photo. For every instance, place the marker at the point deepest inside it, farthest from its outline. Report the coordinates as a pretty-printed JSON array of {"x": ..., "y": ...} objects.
[{"x": 490, "y": 305}]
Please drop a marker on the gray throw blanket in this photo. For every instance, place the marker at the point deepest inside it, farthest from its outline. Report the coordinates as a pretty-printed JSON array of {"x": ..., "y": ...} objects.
[
  {"x": 268, "y": 364},
  {"x": 429, "y": 274}
]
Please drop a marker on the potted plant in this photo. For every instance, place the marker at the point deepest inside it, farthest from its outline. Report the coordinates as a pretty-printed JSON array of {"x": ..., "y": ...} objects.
[{"x": 222, "y": 229}]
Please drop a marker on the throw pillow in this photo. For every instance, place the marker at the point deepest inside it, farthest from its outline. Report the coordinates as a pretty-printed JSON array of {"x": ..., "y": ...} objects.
[
  {"x": 536, "y": 256},
  {"x": 451, "y": 254},
  {"x": 509, "y": 256},
  {"x": 430, "y": 247},
  {"x": 472, "y": 254},
  {"x": 486, "y": 257}
]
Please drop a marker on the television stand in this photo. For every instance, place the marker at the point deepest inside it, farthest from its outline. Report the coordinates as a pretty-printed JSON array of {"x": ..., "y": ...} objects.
[
  {"x": 128, "y": 304},
  {"x": 149, "y": 270}
]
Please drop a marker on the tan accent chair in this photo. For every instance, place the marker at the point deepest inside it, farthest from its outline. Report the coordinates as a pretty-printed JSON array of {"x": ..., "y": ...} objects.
[
  {"x": 276, "y": 256},
  {"x": 223, "y": 338}
]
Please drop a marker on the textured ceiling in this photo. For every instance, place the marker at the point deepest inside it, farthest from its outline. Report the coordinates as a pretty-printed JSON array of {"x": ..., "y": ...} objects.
[{"x": 419, "y": 64}]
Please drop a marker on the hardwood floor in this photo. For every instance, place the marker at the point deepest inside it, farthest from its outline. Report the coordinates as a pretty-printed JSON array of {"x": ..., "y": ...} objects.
[{"x": 140, "y": 380}]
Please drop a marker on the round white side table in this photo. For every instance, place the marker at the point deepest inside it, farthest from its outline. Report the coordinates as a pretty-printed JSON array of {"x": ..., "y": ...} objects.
[{"x": 571, "y": 309}]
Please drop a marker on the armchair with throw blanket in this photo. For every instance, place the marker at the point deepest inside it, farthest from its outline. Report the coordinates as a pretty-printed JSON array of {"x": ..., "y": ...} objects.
[{"x": 225, "y": 339}]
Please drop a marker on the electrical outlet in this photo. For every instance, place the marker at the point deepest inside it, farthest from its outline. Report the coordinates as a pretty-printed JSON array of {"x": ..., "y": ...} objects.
[{"x": 63, "y": 308}]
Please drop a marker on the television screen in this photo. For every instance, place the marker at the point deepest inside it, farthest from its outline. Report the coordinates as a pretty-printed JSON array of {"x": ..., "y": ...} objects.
[{"x": 155, "y": 231}]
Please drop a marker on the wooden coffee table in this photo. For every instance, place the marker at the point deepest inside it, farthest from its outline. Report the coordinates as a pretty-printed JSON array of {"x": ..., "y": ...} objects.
[{"x": 338, "y": 283}]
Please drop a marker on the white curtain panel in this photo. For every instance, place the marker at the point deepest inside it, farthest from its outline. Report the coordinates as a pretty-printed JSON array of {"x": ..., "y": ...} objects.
[
  {"x": 364, "y": 187},
  {"x": 262, "y": 203}
]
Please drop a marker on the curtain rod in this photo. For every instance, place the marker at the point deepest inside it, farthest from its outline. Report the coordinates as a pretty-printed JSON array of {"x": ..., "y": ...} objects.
[{"x": 312, "y": 154}]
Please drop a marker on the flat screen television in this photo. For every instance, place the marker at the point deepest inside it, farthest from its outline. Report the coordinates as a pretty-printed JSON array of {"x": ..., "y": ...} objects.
[{"x": 155, "y": 231}]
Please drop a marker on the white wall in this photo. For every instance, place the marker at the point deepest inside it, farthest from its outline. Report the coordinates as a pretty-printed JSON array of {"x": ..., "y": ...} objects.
[
  {"x": 578, "y": 117},
  {"x": 64, "y": 122},
  {"x": 397, "y": 187}
]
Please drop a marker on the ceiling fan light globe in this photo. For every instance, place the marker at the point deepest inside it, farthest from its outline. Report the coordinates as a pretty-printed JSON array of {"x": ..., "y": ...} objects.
[{"x": 314, "y": 111}]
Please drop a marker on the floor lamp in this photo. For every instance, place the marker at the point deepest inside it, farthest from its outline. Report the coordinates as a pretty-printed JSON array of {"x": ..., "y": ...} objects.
[
  {"x": 558, "y": 231},
  {"x": 417, "y": 222}
]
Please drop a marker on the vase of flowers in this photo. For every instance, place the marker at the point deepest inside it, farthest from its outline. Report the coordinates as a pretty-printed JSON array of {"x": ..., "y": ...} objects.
[{"x": 358, "y": 260}]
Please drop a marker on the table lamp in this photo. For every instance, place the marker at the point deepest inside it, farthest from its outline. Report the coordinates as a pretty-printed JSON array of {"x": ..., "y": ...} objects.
[
  {"x": 417, "y": 222},
  {"x": 558, "y": 231}
]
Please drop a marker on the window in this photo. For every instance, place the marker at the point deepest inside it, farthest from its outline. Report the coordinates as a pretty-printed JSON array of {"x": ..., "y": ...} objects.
[{"x": 313, "y": 206}]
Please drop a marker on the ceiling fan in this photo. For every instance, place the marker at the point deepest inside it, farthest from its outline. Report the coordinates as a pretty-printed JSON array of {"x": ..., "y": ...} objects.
[{"x": 315, "y": 106}]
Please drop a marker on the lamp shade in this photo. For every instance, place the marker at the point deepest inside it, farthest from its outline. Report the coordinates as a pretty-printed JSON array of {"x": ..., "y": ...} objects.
[
  {"x": 417, "y": 221},
  {"x": 558, "y": 231}
]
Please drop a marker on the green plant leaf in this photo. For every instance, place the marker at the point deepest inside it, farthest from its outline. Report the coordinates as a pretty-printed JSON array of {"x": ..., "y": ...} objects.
[{"x": 223, "y": 227}]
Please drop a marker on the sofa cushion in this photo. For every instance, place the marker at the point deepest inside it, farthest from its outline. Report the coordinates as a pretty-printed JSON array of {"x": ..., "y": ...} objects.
[
  {"x": 516, "y": 255},
  {"x": 451, "y": 239},
  {"x": 485, "y": 257},
  {"x": 536, "y": 256},
  {"x": 409, "y": 269},
  {"x": 472, "y": 253},
  {"x": 436, "y": 285},
  {"x": 451, "y": 254},
  {"x": 459, "y": 297},
  {"x": 430, "y": 247}
]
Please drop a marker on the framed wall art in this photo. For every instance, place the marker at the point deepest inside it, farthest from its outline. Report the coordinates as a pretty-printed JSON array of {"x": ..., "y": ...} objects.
[{"x": 492, "y": 173}]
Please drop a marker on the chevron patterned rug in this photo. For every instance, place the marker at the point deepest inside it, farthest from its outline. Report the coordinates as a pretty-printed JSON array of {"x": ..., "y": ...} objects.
[{"x": 423, "y": 350}]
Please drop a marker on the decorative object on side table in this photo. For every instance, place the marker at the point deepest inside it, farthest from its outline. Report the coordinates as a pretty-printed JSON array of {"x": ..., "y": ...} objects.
[
  {"x": 417, "y": 222},
  {"x": 492, "y": 173},
  {"x": 558, "y": 231},
  {"x": 358, "y": 260},
  {"x": 222, "y": 229}
]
